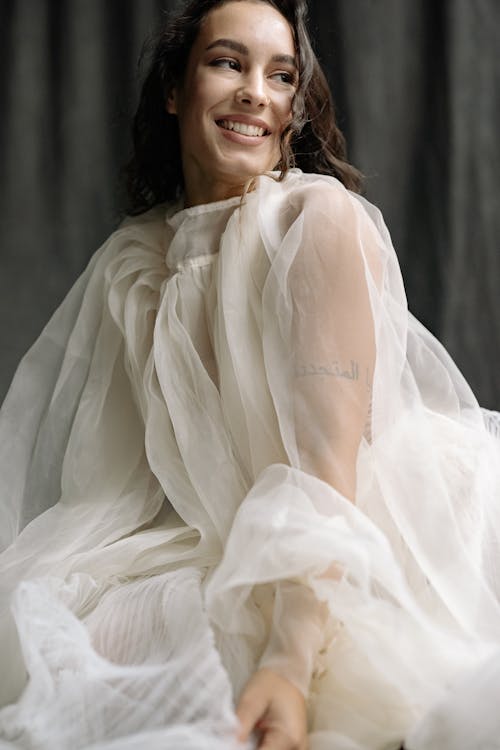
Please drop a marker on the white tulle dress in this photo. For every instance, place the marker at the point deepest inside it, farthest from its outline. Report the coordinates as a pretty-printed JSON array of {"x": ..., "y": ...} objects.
[{"x": 232, "y": 446}]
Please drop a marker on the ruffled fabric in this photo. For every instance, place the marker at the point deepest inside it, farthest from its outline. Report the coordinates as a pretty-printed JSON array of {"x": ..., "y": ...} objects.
[{"x": 232, "y": 446}]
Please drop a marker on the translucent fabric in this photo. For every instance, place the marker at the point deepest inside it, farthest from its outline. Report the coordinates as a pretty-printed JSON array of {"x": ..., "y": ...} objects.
[{"x": 233, "y": 447}]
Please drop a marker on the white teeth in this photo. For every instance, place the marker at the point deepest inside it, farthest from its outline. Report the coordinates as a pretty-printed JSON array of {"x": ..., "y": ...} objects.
[{"x": 241, "y": 127}]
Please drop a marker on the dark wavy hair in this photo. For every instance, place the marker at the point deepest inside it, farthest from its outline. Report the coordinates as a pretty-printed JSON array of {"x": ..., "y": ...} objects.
[{"x": 312, "y": 141}]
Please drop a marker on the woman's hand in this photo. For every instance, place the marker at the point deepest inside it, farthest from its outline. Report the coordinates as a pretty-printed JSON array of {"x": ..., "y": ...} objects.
[{"x": 276, "y": 709}]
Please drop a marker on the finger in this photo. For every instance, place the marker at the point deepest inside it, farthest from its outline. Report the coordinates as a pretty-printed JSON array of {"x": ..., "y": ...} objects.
[
  {"x": 251, "y": 708},
  {"x": 274, "y": 739}
]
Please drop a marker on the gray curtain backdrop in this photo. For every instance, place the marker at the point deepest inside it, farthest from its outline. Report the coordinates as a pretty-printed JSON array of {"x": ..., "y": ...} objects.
[{"x": 417, "y": 86}]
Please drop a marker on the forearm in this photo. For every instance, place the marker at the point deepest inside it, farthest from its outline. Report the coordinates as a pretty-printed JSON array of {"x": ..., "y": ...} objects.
[{"x": 297, "y": 633}]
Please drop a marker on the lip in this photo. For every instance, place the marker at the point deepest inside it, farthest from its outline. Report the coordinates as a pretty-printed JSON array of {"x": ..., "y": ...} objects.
[
  {"x": 242, "y": 140},
  {"x": 246, "y": 120}
]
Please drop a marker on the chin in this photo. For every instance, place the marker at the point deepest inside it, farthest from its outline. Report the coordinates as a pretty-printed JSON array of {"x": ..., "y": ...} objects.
[{"x": 246, "y": 169}]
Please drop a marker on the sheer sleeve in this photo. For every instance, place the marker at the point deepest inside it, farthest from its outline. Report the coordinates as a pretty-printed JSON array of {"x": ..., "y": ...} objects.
[
  {"x": 326, "y": 313},
  {"x": 332, "y": 339},
  {"x": 318, "y": 342},
  {"x": 297, "y": 634}
]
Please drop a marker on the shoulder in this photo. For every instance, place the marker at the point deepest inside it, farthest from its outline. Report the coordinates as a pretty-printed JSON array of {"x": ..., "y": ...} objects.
[
  {"x": 326, "y": 223},
  {"x": 303, "y": 188},
  {"x": 319, "y": 201},
  {"x": 314, "y": 198}
]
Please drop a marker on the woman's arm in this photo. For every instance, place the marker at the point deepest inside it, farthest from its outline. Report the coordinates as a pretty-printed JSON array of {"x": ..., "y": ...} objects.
[
  {"x": 332, "y": 348},
  {"x": 333, "y": 339}
]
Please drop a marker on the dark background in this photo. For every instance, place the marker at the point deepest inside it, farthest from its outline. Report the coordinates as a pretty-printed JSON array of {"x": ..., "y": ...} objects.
[{"x": 417, "y": 86}]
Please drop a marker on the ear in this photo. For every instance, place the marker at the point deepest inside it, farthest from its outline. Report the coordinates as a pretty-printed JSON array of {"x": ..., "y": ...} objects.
[{"x": 171, "y": 102}]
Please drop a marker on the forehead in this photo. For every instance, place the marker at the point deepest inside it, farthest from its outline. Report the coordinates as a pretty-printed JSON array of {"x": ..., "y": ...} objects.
[{"x": 260, "y": 26}]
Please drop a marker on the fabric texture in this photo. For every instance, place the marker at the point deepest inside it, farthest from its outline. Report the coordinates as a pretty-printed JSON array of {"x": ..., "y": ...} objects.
[{"x": 232, "y": 446}]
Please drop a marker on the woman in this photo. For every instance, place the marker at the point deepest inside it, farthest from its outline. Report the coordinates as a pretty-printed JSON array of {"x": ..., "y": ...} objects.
[{"x": 247, "y": 499}]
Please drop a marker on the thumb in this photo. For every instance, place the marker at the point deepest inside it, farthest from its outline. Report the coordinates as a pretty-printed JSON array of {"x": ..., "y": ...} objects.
[{"x": 251, "y": 708}]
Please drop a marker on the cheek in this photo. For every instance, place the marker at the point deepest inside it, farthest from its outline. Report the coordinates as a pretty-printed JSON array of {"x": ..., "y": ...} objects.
[
  {"x": 193, "y": 103},
  {"x": 206, "y": 93},
  {"x": 284, "y": 111}
]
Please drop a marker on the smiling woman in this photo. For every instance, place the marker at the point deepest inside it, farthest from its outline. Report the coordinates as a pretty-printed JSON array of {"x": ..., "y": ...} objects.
[
  {"x": 235, "y": 100},
  {"x": 247, "y": 499},
  {"x": 290, "y": 76}
]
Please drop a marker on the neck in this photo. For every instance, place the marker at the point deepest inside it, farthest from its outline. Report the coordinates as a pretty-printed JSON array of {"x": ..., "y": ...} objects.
[
  {"x": 197, "y": 196},
  {"x": 198, "y": 191}
]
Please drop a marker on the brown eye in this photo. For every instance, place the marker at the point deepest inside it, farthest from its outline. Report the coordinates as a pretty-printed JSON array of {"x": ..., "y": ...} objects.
[
  {"x": 287, "y": 78},
  {"x": 226, "y": 62}
]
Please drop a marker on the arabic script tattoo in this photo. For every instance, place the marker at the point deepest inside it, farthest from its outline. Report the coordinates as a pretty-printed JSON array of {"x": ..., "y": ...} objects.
[{"x": 335, "y": 370}]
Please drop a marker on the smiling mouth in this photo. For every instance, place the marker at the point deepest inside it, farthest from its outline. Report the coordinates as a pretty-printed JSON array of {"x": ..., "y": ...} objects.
[{"x": 240, "y": 127}]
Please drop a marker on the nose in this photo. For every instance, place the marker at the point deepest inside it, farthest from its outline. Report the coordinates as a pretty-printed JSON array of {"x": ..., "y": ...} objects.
[{"x": 253, "y": 91}]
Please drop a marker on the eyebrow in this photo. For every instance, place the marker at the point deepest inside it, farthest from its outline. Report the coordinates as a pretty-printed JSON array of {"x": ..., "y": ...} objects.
[{"x": 243, "y": 50}]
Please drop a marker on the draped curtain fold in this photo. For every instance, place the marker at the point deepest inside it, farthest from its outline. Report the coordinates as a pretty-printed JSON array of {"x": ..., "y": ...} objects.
[{"x": 417, "y": 88}]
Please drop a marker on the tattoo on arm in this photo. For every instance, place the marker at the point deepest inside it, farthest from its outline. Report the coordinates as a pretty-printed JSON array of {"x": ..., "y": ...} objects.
[{"x": 334, "y": 369}]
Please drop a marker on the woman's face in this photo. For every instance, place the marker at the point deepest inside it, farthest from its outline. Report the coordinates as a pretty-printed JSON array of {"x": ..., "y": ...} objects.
[{"x": 235, "y": 99}]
